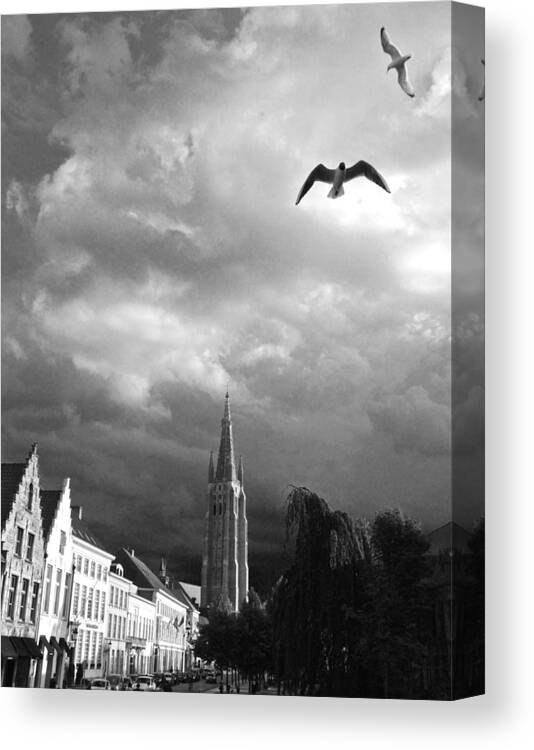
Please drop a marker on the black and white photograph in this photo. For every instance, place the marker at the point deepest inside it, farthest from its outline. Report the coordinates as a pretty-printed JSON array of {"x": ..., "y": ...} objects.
[{"x": 243, "y": 351}]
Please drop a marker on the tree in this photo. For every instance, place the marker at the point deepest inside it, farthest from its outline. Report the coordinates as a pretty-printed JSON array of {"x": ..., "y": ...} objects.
[
  {"x": 313, "y": 603},
  {"x": 392, "y": 646},
  {"x": 347, "y": 613}
]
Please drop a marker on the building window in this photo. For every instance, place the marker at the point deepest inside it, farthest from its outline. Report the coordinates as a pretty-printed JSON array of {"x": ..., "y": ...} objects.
[
  {"x": 13, "y": 583},
  {"x": 59, "y": 574},
  {"x": 24, "y": 599},
  {"x": 48, "y": 585},
  {"x": 92, "y": 664},
  {"x": 103, "y": 606},
  {"x": 86, "y": 646},
  {"x": 29, "y": 546},
  {"x": 83, "y": 601},
  {"x": 66, "y": 588},
  {"x": 79, "y": 562},
  {"x": 33, "y": 607},
  {"x": 99, "y": 651},
  {"x": 79, "y": 646},
  {"x": 30, "y": 496},
  {"x": 104, "y": 574},
  {"x": 85, "y": 566},
  {"x": 93, "y": 568},
  {"x": 90, "y": 604},
  {"x": 98, "y": 572},
  {"x": 62, "y": 542},
  {"x": 76, "y": 599},
  {"x": 97, "y": 604},
  {"x": 18, "y": 543}
]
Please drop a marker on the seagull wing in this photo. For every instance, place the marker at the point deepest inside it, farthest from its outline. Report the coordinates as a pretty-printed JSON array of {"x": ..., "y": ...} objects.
[
  {"x": 387, "y": 46},
  {"x": 367, "y": 170},
  {"x": 483, "y": 92},
  {"x": 320, "y": 173},
  {"x": 404, "y": 81}
]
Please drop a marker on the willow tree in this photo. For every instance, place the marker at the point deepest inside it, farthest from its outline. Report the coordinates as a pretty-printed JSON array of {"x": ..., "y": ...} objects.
[
  {"x": 313, "y": 604},
  {"x": 348, "y": 615}
]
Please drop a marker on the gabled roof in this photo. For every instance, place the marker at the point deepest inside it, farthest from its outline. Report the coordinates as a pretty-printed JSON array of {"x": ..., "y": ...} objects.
[
  {"x": 192, "y": 591},
  {"x": 11, "y": 478},
  {"x": 49, "y": 504},
  {"x": 144, "y": 578},
  {"x": 448, "y": 536},
  {"x": 82, "y": 531}
]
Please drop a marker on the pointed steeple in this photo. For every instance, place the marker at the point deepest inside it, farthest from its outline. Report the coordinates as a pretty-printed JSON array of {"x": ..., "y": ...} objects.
[
  {"x": 240, "y": 472},
  {"x": 162, "y": 574},
  {"x": 225, "y": 460},
  {"x": 211, "y": 470}
]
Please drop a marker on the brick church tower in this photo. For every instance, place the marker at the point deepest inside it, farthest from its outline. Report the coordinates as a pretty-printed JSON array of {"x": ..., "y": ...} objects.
[{"x": 225, "y": 556}]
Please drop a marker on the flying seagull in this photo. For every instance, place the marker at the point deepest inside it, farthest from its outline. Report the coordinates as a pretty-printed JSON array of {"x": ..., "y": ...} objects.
[
  {"x": 398, "y": 61},
  {"x": 483, "y": 92},
  {"x": 336, "y": 178}
]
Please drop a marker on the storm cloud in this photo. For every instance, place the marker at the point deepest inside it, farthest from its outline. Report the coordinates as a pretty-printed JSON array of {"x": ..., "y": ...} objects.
[{"x": 152, "y": 253}]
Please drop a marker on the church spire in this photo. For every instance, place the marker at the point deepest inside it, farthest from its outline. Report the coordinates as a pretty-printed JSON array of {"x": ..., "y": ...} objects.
[
  {"x": 240, "y": 473},
  {"x": 211, "y": 469},
  {"x": 225, "y": 460},
  {"x": 162, "y": 575}
]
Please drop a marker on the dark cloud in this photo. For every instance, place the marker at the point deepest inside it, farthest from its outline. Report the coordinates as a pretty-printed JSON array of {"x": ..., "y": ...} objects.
[{"x": 152, "y": 252}]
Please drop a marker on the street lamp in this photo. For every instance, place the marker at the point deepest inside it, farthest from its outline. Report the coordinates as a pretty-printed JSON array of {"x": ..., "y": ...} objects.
[{"x": 74, "y": 627}]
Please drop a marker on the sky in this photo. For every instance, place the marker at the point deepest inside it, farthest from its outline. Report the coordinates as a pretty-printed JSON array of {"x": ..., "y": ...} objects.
[{"x": 152, "y": 253}]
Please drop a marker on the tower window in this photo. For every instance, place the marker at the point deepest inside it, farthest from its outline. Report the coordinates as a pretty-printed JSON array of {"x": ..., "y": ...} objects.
[{"x": 214, "y": 509}]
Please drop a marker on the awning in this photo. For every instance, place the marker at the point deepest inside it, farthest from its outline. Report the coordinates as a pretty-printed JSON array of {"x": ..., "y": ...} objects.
[
  {"x": 26, "y": 648},
  {"x": 43, "y": 643},
  {"x": 65, "y": 646},
  {"x": 33, "y": 648},
  {"x": 8, "y": 650},
  {"x": 55, "y": 644}
]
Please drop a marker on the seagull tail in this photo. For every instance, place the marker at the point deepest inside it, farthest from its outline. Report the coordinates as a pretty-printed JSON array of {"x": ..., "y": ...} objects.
[{"x": 336, "y": 193}]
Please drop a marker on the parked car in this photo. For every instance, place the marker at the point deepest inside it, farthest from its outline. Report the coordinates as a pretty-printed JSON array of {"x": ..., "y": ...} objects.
[
  {"x": 144, "y": 682},
  {"x": 100, "y": 684},
  {"x": 114, "y": 681},
  {"x": 211, "y": 677}
]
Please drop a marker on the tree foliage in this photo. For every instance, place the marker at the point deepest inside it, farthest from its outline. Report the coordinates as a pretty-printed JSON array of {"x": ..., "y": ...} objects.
[{"x": 363, "y": 610}]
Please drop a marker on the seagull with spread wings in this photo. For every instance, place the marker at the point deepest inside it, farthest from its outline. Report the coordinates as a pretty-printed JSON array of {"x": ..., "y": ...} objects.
[
  {"x": 336, "y": 178},
  {"x": 398, "y": 61}
]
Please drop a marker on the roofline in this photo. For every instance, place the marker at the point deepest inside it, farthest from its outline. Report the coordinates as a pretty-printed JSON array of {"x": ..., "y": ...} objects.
[
  {"x": 448, "y": 523},
  {"x": 76, "y": 539}
]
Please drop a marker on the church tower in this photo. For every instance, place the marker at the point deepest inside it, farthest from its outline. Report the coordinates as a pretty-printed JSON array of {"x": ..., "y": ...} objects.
[{"x": 225, "y": 556}]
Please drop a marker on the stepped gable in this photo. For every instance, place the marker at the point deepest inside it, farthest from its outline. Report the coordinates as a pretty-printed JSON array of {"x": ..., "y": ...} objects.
[
  {"x": 12, "y": 475},
  {"x": 50, "y": 500}
]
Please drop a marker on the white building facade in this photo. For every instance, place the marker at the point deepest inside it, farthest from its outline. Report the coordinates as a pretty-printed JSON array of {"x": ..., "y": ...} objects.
[
  {"x": 140, "y": 633},
  {"x": 54, "y": 632},
  {"x": 89, "y": 599},
  {"x": 119, "y": 589},
  {"x": 170, "y": 635}
]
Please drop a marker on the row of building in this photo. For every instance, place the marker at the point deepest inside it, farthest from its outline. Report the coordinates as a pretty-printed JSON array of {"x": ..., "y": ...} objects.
[{"x": 73, "y": 610}]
